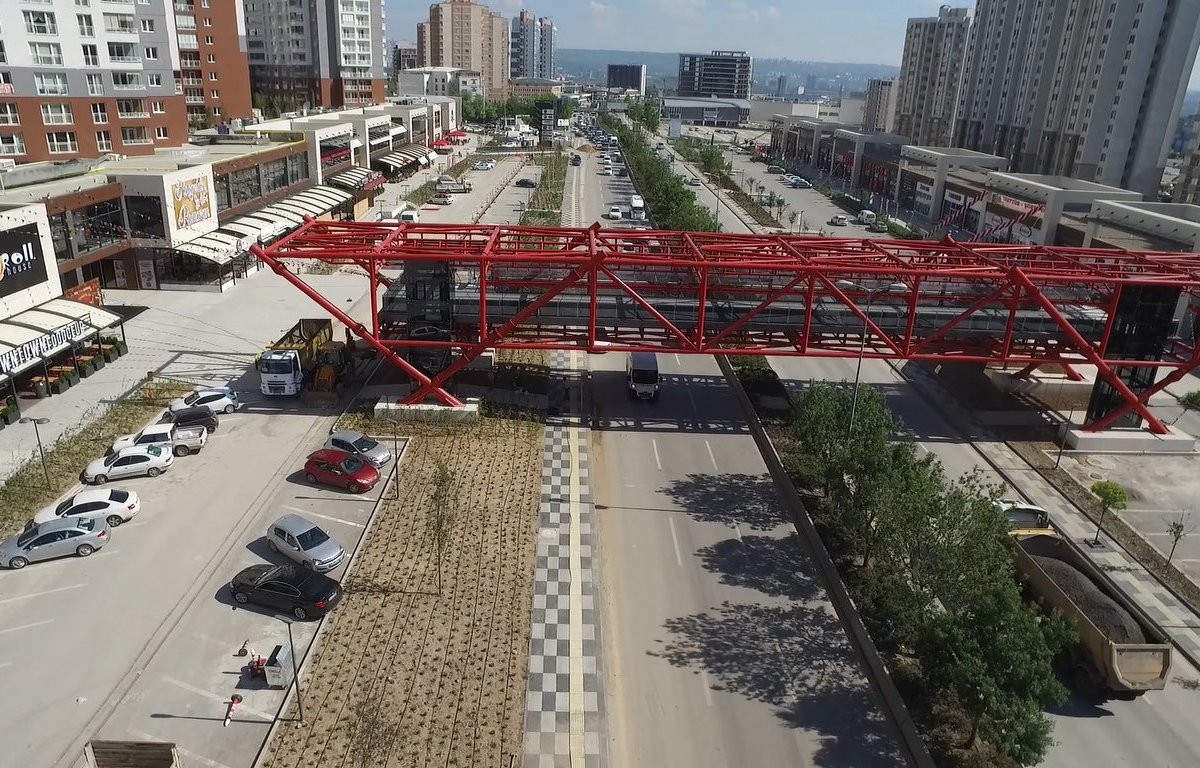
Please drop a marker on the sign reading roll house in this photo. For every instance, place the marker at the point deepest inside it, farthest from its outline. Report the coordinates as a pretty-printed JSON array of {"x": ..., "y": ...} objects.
[
  {"x": 22, "y": 263},
  {"x": 190, "y": 201},
  {"x": 43, "y": 345}
]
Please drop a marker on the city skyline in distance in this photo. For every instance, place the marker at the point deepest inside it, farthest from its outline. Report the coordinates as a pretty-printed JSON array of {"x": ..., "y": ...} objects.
[{"x": 867, "y": 32}]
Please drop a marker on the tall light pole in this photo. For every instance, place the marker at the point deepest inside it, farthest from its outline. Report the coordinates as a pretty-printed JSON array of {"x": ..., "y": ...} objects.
[
  {"x": 41, "y": 451},
  {"x": 862, "y": 343},
  {"x": 295, "y": 663}
]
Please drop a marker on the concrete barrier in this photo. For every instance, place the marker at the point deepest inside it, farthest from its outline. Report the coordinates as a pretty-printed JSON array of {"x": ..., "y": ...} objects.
[{"x": 894, "y": 708}]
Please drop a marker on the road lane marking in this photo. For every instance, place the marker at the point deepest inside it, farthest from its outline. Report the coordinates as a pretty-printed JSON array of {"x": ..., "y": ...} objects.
[
  {"x": 39, "y": 594},
  {"x": 26, "y": 626},
  {"x": 189, "y": 754},
  {"x": 675, "y": 541},
  {"x": 677, "y": 361},
  {"x": 712, "y": 458},
  {"x": 5, "y": 664},
  {"x": 657, "y": 460},
  {"x": 576, "y": 611},
  {"x": 335, "y": 519},
  {"x": 214, "y": 697},
  {"x": 708, "y": 699},
  {"x": 738, "y": 530}
]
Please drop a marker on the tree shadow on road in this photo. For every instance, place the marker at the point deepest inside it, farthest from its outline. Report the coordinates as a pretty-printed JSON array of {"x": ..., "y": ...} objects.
[
  {"x": 774, "y": 566},
  {"x": 748, "y": 500},
  {"x": 795, "y": 659}
]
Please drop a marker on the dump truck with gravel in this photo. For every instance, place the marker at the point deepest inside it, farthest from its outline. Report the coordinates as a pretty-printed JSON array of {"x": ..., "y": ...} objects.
[{"x": 1121, "y": 652}]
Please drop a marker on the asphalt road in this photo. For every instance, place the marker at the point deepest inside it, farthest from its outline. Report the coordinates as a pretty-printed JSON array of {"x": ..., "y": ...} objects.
[
  {"x": 720, "y": 646},
  {"x": 1154, "y": 730}
]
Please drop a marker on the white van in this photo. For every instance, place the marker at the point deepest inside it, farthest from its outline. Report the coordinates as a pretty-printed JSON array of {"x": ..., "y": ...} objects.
[
  {"x": 866, "y": 217},
  {"x": 409, "y": 216}
]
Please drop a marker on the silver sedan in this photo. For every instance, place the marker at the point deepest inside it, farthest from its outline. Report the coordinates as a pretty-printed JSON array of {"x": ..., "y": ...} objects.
[{"x": 358, "y": 444}]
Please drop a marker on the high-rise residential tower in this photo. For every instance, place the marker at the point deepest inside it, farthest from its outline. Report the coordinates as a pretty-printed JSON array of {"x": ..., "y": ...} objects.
[
  {"x": 316, "y": 53},
  {"x": 523, "y": 45},
  {"x": 879, "y": 112},
  {"x": 627, "y": 77},
  {"x": 465, "y": 35},
  {"x": 545, "y": 51},
  {"x": 1088, "y": 90},
  {"x": 930, "y": 71}
]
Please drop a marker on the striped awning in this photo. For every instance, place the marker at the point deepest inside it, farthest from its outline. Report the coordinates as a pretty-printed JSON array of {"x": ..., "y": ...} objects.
[
  {"x": 313, "y": 201},
  {"x": 355, "y": 178},
  {"x": 408, "y": 154}
]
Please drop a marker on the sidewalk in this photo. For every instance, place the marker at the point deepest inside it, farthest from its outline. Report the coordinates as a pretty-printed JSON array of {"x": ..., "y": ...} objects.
[
  {"x": 1140, "y": 585},
  {"x": 206, "y": 338}
]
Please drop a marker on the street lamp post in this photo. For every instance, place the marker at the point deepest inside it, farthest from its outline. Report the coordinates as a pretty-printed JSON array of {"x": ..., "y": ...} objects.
[
  {"x": 862, "y": 342},
  {"x": 295, "y": 663},
  {"x": 38, "y": 434}
]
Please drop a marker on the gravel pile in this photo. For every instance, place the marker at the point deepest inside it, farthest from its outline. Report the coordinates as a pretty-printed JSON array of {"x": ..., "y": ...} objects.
[{"x": 1113, "y": 620}]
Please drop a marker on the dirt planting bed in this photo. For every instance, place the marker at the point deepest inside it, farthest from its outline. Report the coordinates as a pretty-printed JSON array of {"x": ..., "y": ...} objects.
[{"x": 439, "y": 678}]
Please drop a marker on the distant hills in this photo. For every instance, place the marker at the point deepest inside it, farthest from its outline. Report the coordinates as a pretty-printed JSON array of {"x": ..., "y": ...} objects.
[{"x": 662, "y": 68}]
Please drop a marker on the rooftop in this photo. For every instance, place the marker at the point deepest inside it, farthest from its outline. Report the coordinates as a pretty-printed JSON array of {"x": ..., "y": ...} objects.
[{"x": 702, "y": 101}]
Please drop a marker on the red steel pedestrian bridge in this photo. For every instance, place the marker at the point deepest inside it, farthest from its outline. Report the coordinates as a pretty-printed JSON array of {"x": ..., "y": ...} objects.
[{"x": 470, "y": 288}]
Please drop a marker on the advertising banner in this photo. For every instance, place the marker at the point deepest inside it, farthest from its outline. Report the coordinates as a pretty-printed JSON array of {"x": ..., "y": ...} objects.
[
  {"x": 42, "y": 346},
  {"x": 22, "y": 263},
  {"x": 191, "y": 202}
]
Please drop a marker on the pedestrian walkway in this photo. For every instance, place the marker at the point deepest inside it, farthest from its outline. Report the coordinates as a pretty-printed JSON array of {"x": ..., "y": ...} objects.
[
  {"x": 1179, "y": 621},
  {"x": 563, "y": 710}
]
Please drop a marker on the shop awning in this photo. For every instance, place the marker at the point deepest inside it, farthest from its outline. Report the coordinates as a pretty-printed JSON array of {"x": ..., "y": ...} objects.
[
  {"x": 330, "y": 195},
  {"x": 398, "y": 130},
  {"x": 409, "y": 154},
  {"x": 356, "y": 143},
  {"x": 31, "y": 336},
  {"x": 355, "y": 178},
  {"x": 264, "y": 224},
  {"x": 457, "y": 134},
  {"x": 209, "y": 250}
]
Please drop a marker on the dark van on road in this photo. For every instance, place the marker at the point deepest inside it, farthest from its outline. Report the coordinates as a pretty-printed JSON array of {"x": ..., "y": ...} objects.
[{"x": 199, "y": 416}]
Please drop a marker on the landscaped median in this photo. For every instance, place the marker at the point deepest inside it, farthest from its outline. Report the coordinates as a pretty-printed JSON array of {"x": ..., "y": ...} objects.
[
  {"x": 424, "y": 662},
  {"x": 545, "y": 205},
  {"x": 928, "y": 564},
  {"x": 26, "y": 490}
]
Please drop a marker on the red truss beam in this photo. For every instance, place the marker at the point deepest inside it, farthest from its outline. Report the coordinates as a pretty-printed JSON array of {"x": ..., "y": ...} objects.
[{"x": 967, "y": 302}]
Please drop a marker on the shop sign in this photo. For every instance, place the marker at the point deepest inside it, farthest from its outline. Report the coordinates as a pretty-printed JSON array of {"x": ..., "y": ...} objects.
[
  {"x": 22, "y": 263},
  {"x": 955, "y": 197},
  {"x": 42, "y": 345},
  {"x": 1013, "y": 204},
  {"x": 191, "y": 202}
]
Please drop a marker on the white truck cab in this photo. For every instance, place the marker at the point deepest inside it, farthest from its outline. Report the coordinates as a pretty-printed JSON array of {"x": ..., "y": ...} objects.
[{"x": 641, "y": 375}]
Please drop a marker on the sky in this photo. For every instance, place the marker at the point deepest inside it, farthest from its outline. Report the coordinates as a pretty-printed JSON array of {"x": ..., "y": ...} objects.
[{"x": 859, "y": 31}]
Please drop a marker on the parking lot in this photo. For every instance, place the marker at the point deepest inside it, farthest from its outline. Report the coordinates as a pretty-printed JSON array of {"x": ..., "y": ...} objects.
[{"x": 138, "y": 640}]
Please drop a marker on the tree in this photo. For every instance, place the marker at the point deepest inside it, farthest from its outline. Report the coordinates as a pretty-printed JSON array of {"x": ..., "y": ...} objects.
[
  {"x": 1112, "y": 498},
  {"x": 1177, "y": 529},
  {"x": 792, "y": 217},
  {"x": 373, "y": 735},
  {"x": 997, "y": 657},
  {"x": 441, "y": 513}
]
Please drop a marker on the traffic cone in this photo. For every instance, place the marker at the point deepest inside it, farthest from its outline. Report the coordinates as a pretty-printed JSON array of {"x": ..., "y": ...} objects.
[{"x": 234, "y": 700}]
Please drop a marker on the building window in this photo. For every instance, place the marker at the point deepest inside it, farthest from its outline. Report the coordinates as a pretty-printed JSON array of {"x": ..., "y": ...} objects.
[
  {"x": 150, "y": 53},
  {"x": 221, "y": 185},
  {"x": 12, "y": 144},
  {"x": 91, "y": 55},
  {"x": 95, "y": 84},
  {"x": 8, "y": 115},
  {"x": 99, "y": 114},
  {"x": 99, "y": 225},
  {"x": 145, "y": 216},
  {"x": 57, "y": 114},
  {"x": 297, "y": 168},
  {"x": 40, "y": 23},
  {"x": 208, "y": 40},
  {"x": 274, "y": 176},
  {"x": 212, "y": 58},
  {"x": 103, "y": 141},
  {"x": 147, "y": 25},
  {"x": 119, "y": 22},
  {"x": 61, "y": 142},
  {"x": 185, "y": 22},
  {"x": 244, "y": 186},
  {"x": 3, "y": 53},
  {"x": 158, "y": 107},
  {"x": 86, "y": 28},
  {"x": 60, "y": 235},
  {"x": 153, "y": 80},
  {"x": 127, "y": 81},
  {"x": 207, "y": 21},
  {"x": 46, "y": 54},
  {"x": 50, "y": 83},
  {"x": 215, "y": 93},
  {"x": 161, "y": 133},
  {"x": 123, "y": 52},
  {"x": 204, "y": 3},
  {"x": 131, "y": 108},
  {"x": 135, "y": 135},
  {"x": 212, "y": 75},
  {"x": 216, "y": 111},
  {"x": 187, "y": 41}
]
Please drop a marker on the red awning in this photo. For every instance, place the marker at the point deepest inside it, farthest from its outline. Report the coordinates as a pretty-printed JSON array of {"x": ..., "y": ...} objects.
[
  {"x": 457, "y": 134},
  {"x": 440, "y": 144}
]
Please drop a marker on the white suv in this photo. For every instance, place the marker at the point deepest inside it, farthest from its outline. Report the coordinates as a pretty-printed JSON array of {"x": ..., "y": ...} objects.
[{"x": 615, "y": 212}]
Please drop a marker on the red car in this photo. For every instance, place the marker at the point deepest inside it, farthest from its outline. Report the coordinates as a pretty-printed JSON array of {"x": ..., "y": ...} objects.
[{"x": 340, "y": 469}]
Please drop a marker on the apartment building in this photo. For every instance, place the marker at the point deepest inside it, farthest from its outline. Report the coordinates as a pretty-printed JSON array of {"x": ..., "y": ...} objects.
[
  {"x": 404, "y": 56},
  {"x": 1087, "y": 90},
  {"x": 523, "y": 46},
  {"x": 931, "y": 67},
  {"x": 213, "y": 62},
  {"x": 466, "y": 35},
  {"x": 627, "y": 77},
  {"x": 720, "y": 74},
  {"x": 81, "y": 81},
  {"x": 545, "y": 49},
  {"x": 438, "y": 81},
  {"x": 316, "y": 53},
  {"x": 879, "y": 111}
]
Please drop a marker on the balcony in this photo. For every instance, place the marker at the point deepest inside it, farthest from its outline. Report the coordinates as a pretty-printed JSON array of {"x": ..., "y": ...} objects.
[
  {"x": 192, "y": 81},
  {"x": 132, "y": 115},
  {"x": 193, "y": 99},
  {"x": 125, "y": 59},
  {"x": 123, "y": 29},
  {"x": 136, "y": 141},
  {"x": 185, "y": 7}
]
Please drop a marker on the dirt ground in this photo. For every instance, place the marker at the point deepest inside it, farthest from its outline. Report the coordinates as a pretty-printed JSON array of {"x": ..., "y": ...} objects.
[{"x": 447, "y": 671}]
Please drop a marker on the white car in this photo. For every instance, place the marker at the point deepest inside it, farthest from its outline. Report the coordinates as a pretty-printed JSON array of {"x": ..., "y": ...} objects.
[
  {"x": 134, "y": 461},
  {"x": 110, "y": 504},
  {"x": 218, "y": 400},
  {"x": 1022, "y": 515},
  {"x": 692, "y": 181},
  {"x": 606, "y": 171},
  {"x": 614, "y": 212},
  {"x": 484, "y": 165}
]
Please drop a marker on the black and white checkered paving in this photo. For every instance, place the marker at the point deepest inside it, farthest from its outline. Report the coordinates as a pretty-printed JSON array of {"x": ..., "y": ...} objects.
[{"x": 563, "y": 714}]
